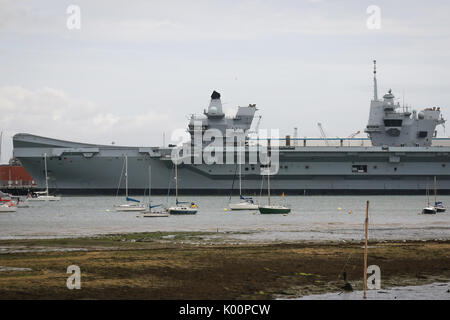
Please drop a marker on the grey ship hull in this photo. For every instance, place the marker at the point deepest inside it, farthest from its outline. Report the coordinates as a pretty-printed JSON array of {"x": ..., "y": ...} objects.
[{"x": 78, "y": 168}]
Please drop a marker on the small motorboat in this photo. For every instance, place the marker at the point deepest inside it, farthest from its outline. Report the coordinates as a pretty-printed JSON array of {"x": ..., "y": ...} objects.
[
  {"x": 21, "y": 203},
  {"x": 8, "y": 207},
  {"x": 6, "y": 203},
  {"x": 42, "y": 196}
]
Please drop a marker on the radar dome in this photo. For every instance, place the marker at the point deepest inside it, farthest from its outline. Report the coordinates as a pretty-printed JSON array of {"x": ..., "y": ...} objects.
[
  {"x": 421, "y": 115},
  {"x": 212, "y": 110}
]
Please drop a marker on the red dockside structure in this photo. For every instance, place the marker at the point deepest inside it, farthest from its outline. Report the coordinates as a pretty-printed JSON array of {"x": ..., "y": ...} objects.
[{"x": 15, "y": 176}]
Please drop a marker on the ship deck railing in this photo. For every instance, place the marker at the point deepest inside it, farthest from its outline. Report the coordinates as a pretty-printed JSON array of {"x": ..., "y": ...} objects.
[{"x": 336, "y": 141}]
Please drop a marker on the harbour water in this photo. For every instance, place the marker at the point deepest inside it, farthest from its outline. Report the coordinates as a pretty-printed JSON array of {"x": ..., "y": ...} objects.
[
  {"x": 338, "y": 218},
  {"x": 433, "y": 291}
]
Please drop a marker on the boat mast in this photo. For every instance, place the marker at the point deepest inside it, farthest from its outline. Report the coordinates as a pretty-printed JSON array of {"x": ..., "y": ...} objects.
[
  {"x": 149, "y": 186},
  {"x": 435, "y": 192},
  {"x": 46, "y": 177},
  {"x": 126, "y": 176},
  {"x": 268, "y": 185},
  {"x": 240, "y": 178},
  {"x": 375, "y": 87},
  {"x": 176, "y": 179}
]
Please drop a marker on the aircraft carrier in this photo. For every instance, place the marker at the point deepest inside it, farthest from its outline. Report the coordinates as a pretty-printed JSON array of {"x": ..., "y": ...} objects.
[{"x": 403, "y": 157}]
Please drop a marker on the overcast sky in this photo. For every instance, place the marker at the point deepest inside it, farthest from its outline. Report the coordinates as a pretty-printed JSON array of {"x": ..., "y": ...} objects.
[{"x": 136, "y": 69}]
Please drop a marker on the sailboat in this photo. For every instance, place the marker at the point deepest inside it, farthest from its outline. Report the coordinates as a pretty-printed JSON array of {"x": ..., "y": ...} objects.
[
  {"x": 179, "y": 207},
  {"x": 270, "y": 209},
  {"x": 131, "y": 204},
  {"x": 437, "y": 204},
  {"x": 428, "y": 209},
  {"x": 152, "y": 213},
  {"x": 246, "y": 203},
  {"x": 43, "y": 195}
]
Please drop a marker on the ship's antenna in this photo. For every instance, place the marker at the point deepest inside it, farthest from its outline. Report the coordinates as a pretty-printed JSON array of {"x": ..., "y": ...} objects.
[
  {"x": 403, "y": 101},
  {"x": 1, "y": 140},
  {"x": 375, "y": 89}
]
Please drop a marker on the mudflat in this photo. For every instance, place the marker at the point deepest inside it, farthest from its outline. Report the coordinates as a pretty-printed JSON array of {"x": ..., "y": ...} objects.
[{"x": 200, "y": 265}]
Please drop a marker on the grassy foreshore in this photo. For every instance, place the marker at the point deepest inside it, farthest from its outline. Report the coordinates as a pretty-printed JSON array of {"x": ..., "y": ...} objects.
[{"x": 203, "y": 266}]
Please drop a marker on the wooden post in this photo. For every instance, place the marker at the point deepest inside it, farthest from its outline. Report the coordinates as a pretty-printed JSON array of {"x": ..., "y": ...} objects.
[{"x": 365, "y": 249}]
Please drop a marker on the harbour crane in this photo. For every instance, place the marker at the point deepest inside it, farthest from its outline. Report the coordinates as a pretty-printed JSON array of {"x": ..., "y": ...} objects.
[
  {"x": 350, "y": 137},
  {"x": 255, "y": 131},
  {"x": 353, "y": 135},
  {"x": 324, "y": 136},
  {"x": 257, "y": 126}
]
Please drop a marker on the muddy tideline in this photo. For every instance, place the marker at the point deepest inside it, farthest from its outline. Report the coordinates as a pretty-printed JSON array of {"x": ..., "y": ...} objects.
[{"x": 207, "y": 265}]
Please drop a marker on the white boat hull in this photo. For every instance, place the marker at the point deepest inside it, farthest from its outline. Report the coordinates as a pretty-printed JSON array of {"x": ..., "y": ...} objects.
[
  {"x": 45, "y": 198},
  {"x": 6, "y": 208},
  {"x": 243, "y": 206},
  {"x": 429, "y": 210},
  {"x": 154, "y": 214},
  {"x": 128, "y": 207}
]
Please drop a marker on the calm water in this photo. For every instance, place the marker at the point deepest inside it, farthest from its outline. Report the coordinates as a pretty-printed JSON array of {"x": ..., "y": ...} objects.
[
  {"x": 434, "y": 291},
  {"x": 312, "y": 218}
]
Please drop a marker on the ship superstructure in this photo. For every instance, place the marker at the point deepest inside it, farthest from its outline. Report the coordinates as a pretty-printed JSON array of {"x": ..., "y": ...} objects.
[
  {"x": 214, "y": 118},
  {"x": 393, "y": 125},
  {"x": 401, "y": 159}
]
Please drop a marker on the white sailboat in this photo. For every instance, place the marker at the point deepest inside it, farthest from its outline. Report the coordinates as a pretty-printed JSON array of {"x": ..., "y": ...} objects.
[
  {"x": 272, "y": 209},
  {"x": 246, "y": 203},
  {"x": 131, "y": 204},
  {"x": 43, "y": 195},
  {"x": 437, "y": 204},
  {"x": 179, "y": 207},
  {"x": 150, "y": 213},
  {"x": 428, "y": 209}
]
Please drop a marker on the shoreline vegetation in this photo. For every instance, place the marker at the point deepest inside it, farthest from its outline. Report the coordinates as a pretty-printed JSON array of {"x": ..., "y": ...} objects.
[{"x": 203, "y": 265}]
